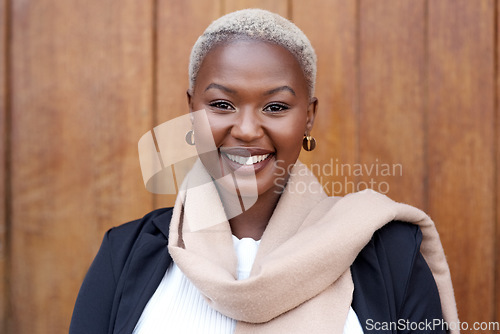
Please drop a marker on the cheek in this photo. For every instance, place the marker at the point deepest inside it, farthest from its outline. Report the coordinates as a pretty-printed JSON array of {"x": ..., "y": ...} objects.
[
  {"x": 219, "y": 128},
  {"x": 288, "y": 139},
  {"x": 219, "y": 124}
]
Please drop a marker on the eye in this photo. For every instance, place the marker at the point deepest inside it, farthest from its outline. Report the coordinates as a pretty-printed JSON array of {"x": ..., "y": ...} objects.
[
  {"x": 275, "y": 108},
  {"x": 222, "y": 105}
]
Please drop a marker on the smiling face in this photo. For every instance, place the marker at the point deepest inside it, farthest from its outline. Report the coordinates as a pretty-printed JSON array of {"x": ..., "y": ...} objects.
[{"x": 257, "y": 104}]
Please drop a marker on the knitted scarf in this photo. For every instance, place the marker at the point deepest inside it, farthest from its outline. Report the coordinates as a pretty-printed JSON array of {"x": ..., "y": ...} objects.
[{"x": 302, "y": 268}]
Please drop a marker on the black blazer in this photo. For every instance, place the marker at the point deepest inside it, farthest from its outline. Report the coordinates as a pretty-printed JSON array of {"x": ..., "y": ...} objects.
[{"x": 392, "y": 282}]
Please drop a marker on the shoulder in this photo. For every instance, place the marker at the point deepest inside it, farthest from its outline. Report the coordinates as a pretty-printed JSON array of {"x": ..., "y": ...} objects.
[
  {"x": 384, "y": 265},
  {"x": 396, "y": 241},
  {"x": 101, "y": 290},
  {"x": 121, "y": 239},
  {"x": 394, "y": 248},
  {"x": 132, "y": 228},
  {"x": 391, "y": 278},
  {"x": 399, "y": 241}
]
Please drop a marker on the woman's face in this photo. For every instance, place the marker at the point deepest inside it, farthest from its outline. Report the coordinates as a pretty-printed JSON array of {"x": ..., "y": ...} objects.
[{"x": 256, "y": 100}]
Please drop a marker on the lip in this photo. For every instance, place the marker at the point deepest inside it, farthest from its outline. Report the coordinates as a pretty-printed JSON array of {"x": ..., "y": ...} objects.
[{"x": 246, "y": 152}]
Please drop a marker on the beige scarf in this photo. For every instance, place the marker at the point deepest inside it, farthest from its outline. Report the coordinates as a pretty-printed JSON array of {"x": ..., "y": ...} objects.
[{"x": 300, "y": 281}]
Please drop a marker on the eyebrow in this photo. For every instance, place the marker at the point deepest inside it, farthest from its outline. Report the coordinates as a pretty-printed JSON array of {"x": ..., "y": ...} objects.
[
  {"x": 217, "y": 86},
  {"x": 269, "y": 92},
  {"x": 279, "y": 89}
]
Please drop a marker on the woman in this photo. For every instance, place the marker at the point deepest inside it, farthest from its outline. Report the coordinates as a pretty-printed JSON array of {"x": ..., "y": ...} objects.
[{"x": 243, "y": 250}]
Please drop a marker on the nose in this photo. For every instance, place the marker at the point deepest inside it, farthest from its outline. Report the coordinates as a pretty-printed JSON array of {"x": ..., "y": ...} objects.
[{"x": 247, "y": 126}]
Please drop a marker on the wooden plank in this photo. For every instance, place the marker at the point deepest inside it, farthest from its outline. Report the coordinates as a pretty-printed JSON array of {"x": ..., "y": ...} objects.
[
  {"x": 3, "y": 165},
  {"x": 460, "y": 146},
  {"x": 497, "y": 171},
  {"x": 180, "y": 23},
  {"x": 392, "y": 87},
  {"x": 277, "y": 6},
  {"x": 175, "y": 19},
  {"x": 331, "y": 28},
  {"x": 81, "y": 99}
]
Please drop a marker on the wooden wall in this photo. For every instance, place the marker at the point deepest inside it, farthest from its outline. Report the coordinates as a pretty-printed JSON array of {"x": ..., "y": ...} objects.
[
  {"x": 3, "y": 166},
  {"x": 413, "y": 83}
]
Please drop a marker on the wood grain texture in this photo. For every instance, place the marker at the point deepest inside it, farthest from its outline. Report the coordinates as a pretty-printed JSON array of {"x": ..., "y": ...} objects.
[
  {"x": 178, "y": 18},
  {"x": 179, "y": 23},
  {"x": 391, "y": 98},
  {"x": 460, "y": 146},
  {"x": 276, "y": 6},
  {"x": 3, "y": 162},
  {"x": 331, "y": 28},
  {"x": 497, "y": 173},
  {"x": 81, "y": 99}
]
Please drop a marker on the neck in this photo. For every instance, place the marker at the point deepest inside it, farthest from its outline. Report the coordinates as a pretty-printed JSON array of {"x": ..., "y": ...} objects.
[{"x": 252, "y": 222}]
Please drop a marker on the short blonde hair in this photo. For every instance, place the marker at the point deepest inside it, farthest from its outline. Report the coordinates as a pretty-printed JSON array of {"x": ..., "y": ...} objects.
[{"x": 256, "y": 24}]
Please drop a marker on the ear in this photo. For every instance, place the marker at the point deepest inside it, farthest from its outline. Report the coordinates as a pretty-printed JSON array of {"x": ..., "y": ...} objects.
[
  {"x": 189, "y": 100},
  {"x": 189, "y": 96},
  {"x": 311, "y": 114}
]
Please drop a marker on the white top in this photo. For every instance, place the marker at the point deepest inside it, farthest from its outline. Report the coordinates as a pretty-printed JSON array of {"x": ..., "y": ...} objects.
[{"x": 178, "y": 307}]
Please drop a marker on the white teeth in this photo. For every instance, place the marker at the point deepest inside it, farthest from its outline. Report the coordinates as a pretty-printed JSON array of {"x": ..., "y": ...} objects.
[{"x": 247, "y": 160}]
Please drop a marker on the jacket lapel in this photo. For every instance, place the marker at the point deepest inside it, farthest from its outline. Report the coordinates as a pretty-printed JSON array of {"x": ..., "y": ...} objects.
[{"x": 145, "y": 268}]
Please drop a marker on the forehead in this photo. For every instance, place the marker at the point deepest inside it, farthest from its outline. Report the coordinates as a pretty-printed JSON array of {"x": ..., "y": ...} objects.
[{"x": 251, "y": 62}]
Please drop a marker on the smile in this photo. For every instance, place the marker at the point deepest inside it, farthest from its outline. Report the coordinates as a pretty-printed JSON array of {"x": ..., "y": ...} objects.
[{"x": 247, "y": 160}]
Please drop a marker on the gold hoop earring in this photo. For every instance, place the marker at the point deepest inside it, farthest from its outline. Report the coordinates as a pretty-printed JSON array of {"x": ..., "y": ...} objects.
[
  {"x": 190, "y": 137},
  {"x": 308, "y": 143}
]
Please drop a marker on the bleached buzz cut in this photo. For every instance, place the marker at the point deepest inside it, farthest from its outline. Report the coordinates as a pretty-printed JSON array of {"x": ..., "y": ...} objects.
[{"x": 257, "y": 24}]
